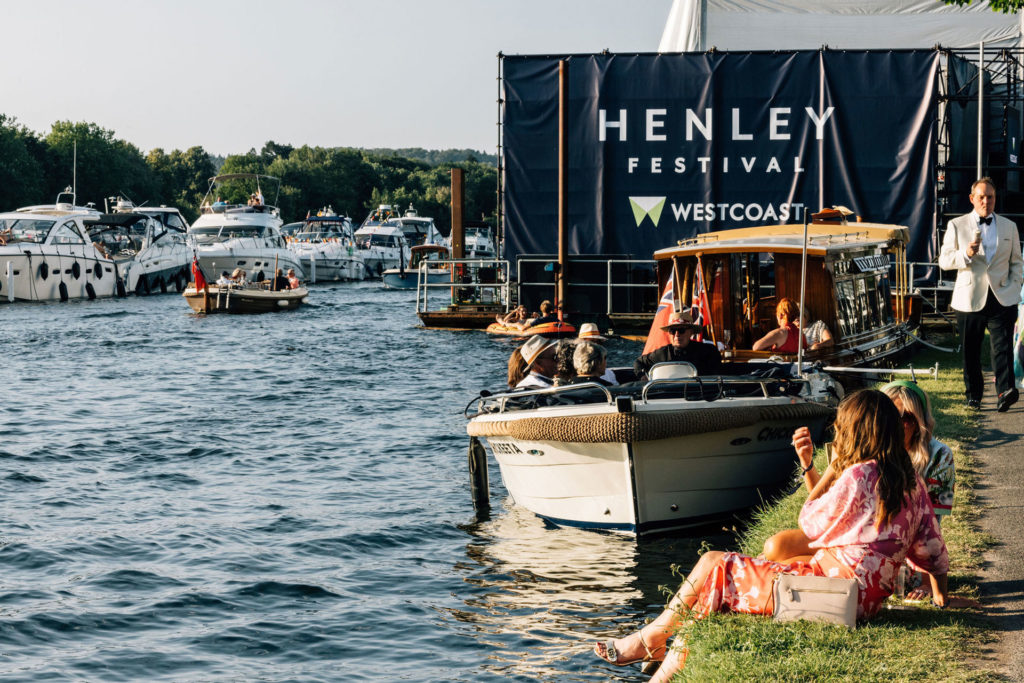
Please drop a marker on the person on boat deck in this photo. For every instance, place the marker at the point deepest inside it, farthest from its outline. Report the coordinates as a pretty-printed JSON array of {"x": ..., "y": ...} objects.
[
  {"x": 590, "y": 360},
  {"x": 565, "y": 371},
  {"x": 705, "y": 357},
  {"x": 590, "y": 332},
  {"x": 237, "y": 276},
  {"x": 785, "y": 338},
  {"x": 293, "y": 279},
  {"x": 932, "y": 461},
  {"x": 280, "y": 281},
  {"x": 867, "y": 514},
  {"x": 224, "y": 279},
  {"x": 548, "y": 314},
  {"x": 539, "y": 354},
  {"x": 817, "y": 335}
]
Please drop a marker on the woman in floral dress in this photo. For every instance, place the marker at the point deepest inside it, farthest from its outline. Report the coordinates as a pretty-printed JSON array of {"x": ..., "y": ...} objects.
[{"x": 867, "y": 513}]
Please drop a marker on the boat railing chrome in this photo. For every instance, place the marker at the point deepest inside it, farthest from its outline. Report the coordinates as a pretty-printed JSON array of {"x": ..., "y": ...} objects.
[
  {"x": 719, "y": 382},
  {"x": 498, "y": 289},
  {"x": 609, "y": 285}
]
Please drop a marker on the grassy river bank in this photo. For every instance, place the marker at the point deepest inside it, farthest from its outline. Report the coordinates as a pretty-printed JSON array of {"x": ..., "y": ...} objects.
[{"x": 902, "y": 643}]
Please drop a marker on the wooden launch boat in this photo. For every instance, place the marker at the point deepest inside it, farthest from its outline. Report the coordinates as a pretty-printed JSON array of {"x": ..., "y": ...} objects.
[
  {"x": 850, "y": 286},
  {"x": 246, "y": 299}
]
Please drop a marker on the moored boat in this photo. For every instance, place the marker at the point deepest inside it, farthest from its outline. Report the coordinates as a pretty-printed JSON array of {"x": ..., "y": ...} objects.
[
  {"x": 231, "y": 235},
  {"x": 380, "y": 241},
  {"x": 670, "y": 453},
  {"x": 422, "y": 267},
  {"x": 151, "y": 256},
  {"x": 326, "y": 248},
  {"x": 46, "y": 255}
]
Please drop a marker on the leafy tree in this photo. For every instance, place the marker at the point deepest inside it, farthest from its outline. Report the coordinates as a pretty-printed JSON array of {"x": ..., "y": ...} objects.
[
  {"x": 21, "y": 172},
  {"x": 1004, "y": 6}
]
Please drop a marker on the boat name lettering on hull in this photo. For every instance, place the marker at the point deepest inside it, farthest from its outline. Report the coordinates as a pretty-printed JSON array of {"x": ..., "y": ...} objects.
[
  {"x": 774, "y": 433},
  {"x": 507, "y": 448}
]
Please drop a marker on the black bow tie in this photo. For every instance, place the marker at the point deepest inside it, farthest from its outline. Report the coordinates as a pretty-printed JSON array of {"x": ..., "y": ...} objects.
[{"x": 985, "y": 221}]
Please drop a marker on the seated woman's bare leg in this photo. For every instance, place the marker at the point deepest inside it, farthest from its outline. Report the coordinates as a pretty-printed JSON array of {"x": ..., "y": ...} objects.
[
  {"x": 650, "y": 641},
  {"x": 787, "y": 546}
]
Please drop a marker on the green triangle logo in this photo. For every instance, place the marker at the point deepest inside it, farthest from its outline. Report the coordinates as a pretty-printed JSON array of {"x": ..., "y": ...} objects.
[{"x": 647, "y": 206}]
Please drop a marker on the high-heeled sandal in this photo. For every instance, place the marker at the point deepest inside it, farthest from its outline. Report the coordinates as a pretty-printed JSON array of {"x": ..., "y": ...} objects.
[{"x": 612, "y": 657}]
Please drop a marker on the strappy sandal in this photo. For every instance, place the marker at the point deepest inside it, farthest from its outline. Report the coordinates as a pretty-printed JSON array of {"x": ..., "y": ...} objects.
[{"x": 612, "y": 657}]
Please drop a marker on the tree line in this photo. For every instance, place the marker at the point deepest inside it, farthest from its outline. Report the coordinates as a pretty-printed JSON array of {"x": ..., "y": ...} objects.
[{"x": 34, "y": 168}]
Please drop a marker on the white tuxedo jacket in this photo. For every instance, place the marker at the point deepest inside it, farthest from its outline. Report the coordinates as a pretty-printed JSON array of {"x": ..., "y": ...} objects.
[{"x": 1002, "y": 270}]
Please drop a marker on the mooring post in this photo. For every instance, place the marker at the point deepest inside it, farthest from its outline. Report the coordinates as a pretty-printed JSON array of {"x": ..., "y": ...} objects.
[{"x": 478, "y": 484}]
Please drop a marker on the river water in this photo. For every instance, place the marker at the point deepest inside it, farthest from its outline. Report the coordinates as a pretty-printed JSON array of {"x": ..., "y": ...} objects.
[{"x": 284, "y": 498}]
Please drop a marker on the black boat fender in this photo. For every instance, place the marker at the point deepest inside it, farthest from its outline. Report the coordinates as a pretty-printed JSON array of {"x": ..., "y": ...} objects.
[
  {"x": 44, "y": 270},
  {"x": 63, "y": 289},
  {"x": 90, "y": 291},
  {"x": 76, "y": 270}
]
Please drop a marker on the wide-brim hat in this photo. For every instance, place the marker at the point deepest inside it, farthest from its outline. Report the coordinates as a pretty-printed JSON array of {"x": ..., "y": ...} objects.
[
  {"x": 532, "y": 349},
  {"x": 590, "y": 331},
  {"x": 681, "y": 320}
]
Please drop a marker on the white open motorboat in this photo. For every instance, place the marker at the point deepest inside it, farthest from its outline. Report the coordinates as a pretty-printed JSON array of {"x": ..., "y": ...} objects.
[
  {"x": 666, "y": 454},
  {"x": 151, "y": 256},
  {"x": 46, "y": 255},
  {"x": 326, "y": 248},
  {"x": 381, "y": 241},
  {"x": 424, "y": 267},
  {"x": 248, "y": 236}
]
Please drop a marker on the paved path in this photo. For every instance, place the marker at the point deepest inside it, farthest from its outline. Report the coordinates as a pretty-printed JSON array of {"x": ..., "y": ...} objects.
[{"x": 1000, "y": 488}]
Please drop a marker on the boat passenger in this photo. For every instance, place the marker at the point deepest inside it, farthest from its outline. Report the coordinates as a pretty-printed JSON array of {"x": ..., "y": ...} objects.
[
  {"x": 293, "y": 280},
  {"x": 225, "y": 279},
  {"x": 590, "y": 332},
  {"x": 237, "y": 277},
  {"x": 868, "y": 513},
  {"x": 817, "y": 334},
  {"x": 681, "y": 328},
  {"x": 280, "y": 281},
  {"x": 516, "y": 368},
  {"x": 565, "y": 370},
  {"x": 785, "y": 338},
  {"x": 591, "y": 361},
  {"x": 539, "y": 354},
  {"x": 514, "y": 318}
]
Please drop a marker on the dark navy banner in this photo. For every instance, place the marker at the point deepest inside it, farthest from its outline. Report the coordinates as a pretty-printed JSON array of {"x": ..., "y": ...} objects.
[{"x": 662, "y": 147}]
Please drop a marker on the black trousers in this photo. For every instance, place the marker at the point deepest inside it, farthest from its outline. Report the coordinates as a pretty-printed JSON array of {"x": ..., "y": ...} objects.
[{"x": 999, "y": 320}]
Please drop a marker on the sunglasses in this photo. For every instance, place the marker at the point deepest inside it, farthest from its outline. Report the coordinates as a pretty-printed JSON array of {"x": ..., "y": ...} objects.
[{"x": 678, "y": 330}]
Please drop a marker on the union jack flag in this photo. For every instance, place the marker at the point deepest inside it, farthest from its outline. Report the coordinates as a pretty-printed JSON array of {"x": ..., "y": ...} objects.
[
  {"x": 656, "y": 338},
  {"x": 700, "y": 307}
]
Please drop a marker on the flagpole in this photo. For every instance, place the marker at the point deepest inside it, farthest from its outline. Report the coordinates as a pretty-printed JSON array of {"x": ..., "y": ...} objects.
[{"x": 800, "y": 311}]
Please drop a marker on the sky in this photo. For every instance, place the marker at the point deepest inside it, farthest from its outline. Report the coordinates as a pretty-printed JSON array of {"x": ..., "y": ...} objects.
[{"x": 230, "y": 75}]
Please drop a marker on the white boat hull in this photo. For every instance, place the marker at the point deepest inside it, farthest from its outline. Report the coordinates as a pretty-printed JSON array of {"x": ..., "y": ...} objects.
[
  {"x": 409, "y": 279},
  {"x": 21, "y": 273},
  {"x": 252, "y": 259},
  {"x": 333, "y": 265}
]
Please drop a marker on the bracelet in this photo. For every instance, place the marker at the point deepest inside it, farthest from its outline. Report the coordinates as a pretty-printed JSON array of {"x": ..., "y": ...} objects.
[
  {"x": 808, "y": 468},
  {"x": 938, "y": 606}
]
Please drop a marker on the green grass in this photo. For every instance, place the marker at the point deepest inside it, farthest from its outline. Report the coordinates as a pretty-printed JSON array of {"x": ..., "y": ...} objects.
[{"x": 907, "y": 644}]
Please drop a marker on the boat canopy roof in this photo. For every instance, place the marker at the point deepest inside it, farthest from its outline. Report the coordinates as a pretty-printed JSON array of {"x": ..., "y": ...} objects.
[
  {"x": 119, "y": 219},
  {"x": 822, "y": 238},
  {"x": 242, "y": 176},
  {"x": 426, "y": 248}
]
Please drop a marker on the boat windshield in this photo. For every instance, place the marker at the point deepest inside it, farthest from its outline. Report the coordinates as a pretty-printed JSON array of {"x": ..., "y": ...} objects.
[
  {"x": 221, "y": 233},
  {"x": 379, "y": 240},
  {"x": 25, "y": 230}
]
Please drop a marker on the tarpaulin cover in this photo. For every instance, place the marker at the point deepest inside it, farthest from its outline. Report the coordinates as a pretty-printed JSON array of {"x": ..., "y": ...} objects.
[{"x": 662, "y": 147}]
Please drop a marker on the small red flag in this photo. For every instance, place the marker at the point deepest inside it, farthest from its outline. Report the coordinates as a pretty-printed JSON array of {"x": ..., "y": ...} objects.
[{"x": 197, "y": 274}]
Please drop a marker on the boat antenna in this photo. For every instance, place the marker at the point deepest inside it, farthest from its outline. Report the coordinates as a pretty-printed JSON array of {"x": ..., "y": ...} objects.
[
  {"x": 74, "y": 173},
  {"x": 800, "y": 311}
]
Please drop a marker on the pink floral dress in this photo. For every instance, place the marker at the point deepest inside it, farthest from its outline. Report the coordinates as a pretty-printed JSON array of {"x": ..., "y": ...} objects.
[{"x": 841, "y": 526}]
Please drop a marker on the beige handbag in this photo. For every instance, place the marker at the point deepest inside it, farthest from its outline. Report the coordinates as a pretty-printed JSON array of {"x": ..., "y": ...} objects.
[{"x": 816, "y": 598}]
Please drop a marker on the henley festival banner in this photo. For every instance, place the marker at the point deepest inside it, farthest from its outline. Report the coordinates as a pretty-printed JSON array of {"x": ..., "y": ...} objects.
[{"x": 663, "y": 147}]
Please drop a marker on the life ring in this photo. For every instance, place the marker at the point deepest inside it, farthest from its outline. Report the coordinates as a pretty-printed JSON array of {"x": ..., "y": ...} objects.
[
  {"x": 76, "y": 270},
  {"x": 44, "y": 270}
]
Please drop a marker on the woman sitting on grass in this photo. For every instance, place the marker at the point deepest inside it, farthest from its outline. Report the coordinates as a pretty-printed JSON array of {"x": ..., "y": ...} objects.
[{"x": 866, "y": 514}]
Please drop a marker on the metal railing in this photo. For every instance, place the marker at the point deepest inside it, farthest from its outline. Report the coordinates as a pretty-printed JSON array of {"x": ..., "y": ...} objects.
[
  {"x": 609, "y": 285},
  {"x": 458, "y": 286}
]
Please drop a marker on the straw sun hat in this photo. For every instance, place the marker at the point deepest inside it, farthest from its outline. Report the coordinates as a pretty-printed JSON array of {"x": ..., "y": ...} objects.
[
  {"x": 532, "y": 349},
  {"x": 591, "y": 332},
  {"x": 679, "y": 320}
]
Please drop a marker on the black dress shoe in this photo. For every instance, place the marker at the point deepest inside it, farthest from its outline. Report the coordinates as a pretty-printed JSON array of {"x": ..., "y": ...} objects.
[
  {"x": 974, "y": 403},
  {"x": 1007, "y": 399}
]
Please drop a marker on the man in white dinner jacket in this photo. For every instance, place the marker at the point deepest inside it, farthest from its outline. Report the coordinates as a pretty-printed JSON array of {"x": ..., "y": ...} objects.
[{"x": 984, "y": 249}]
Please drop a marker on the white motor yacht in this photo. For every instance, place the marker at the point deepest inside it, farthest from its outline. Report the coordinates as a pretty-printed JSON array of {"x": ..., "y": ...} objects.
[
  {"x": 419, "y": 230},
  {"x": 326, "y": 248},
  {"x": 149, "y": 246},
  {"x": 677, "y": 451},
  {"x": 479, "y": 241},
  {"x": 381, "y": 241},
  {"x": 230, "y": 235},
  {"x": 46, "y": 255}
]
